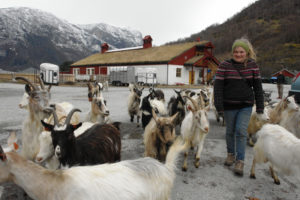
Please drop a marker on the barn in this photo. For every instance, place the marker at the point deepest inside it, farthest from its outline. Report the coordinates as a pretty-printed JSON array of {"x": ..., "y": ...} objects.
[{"x": 184, "y": 63}]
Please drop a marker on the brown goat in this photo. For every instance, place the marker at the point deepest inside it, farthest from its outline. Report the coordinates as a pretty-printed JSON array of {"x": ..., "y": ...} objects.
[{"x": 159, "y": 135}]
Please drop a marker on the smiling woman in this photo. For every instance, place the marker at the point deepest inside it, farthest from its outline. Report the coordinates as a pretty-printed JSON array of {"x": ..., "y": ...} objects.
[{"x": 237, "y": 86}]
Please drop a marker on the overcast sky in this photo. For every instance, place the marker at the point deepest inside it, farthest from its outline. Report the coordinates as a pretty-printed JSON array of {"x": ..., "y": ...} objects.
[{"x": 164, "y": 20}]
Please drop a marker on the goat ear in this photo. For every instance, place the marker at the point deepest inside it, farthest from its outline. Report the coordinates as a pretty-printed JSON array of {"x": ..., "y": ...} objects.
[
  {"x": 189, "y": 107},
  {"x": 48, "y": 127},
  {"x": 12, "y": 139},
  {"x": 2, "y": 154},
  {"x": 76, "y": 126},
  {"x": 28, "y": 89}
]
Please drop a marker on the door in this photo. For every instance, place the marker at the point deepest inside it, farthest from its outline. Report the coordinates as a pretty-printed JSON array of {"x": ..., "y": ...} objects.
[{"x": 191, "y": 77}]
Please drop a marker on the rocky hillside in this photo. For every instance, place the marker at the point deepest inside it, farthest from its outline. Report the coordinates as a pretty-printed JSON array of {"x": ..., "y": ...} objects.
[
  {"x": 29, "y": 37},
  {"x": 273, "y": 28}
]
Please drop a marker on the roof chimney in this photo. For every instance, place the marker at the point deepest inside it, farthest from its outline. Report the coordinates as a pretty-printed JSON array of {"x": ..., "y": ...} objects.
[
  {"x": 104, "y": 47},
  {"x": 147, "y": 41}
]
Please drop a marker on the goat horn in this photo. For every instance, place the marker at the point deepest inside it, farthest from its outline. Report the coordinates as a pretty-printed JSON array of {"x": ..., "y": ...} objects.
[
  {"x": 55, "y": 118},
  {"x": 41, "y": 83},
  {"x": 27, "y": 81},
  {"x": 154, "y": 115},
  {"x": 195, "y": 104},
  {"x": 202, "y": 104},
  {"x": 68, "y": 119}
]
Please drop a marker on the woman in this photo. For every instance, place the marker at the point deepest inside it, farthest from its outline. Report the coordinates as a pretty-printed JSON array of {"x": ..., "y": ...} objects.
[{"x": 237, "y": 86}]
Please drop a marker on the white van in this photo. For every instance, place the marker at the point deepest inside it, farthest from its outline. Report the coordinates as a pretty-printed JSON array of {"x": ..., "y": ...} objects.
[{"x": 49, "y": 73}]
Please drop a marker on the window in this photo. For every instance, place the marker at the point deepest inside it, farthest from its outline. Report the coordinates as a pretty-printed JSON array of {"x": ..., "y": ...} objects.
[
  {"x": 90, "y": 71},
  {"x": 75, "y": 71},
  {"x": 178, "y": 72}
]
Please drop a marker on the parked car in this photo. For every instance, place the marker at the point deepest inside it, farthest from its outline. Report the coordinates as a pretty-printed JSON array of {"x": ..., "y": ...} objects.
[
  {"x": 295, "y": 88},
  {"x": 265, "y": 80}
]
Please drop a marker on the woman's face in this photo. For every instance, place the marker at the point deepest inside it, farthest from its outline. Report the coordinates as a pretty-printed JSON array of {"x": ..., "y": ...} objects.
[{"x": 239, "y": 54}]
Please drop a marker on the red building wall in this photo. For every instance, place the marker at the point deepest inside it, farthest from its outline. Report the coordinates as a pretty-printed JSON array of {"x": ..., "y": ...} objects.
[{"x": 180, "y": 60}]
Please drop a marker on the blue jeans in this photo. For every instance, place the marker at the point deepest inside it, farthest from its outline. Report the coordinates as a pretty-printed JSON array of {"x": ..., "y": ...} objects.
[{"x": 236, "y": 131}]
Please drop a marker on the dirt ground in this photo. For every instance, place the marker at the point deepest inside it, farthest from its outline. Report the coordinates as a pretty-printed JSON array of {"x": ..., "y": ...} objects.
[{"x": 212, "y": 180}]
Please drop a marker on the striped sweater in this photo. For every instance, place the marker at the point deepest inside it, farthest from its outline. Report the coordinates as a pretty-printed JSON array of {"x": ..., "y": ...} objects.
[{"x": 231, "y": 91}]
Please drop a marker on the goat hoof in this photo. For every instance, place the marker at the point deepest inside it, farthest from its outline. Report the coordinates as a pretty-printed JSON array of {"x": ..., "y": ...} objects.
[
  {"x": 252, "y": 176},
  {"x": 184, "y": 169},
  {"x": 138, "y": 125},
  {"x": 277, "y": 182}
]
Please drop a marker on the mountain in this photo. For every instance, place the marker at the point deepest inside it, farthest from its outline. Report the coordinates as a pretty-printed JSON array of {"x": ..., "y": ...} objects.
[
  {"x": 29, "y": 37},
  {"x": 273, "y": 28}
]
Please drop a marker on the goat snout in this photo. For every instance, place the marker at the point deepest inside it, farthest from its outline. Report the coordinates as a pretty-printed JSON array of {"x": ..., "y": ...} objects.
[
  {"x": 206, "y": 129},
  {"x": 106, "y": 113},
  {"x": 57, "y": 152},
  {"x": 39, "y": 159}
]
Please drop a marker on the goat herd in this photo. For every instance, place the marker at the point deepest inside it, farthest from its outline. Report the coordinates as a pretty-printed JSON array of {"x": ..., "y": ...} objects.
[{"x": 63, "y": 158}]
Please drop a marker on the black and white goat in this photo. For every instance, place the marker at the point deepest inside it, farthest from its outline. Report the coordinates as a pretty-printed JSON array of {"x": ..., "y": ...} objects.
[
  {"x": 99, "y": 144},
  {"x": 134, "y": 101},
  {"x": 177, "y": 105},
  {"x": 154, "y": 100}
]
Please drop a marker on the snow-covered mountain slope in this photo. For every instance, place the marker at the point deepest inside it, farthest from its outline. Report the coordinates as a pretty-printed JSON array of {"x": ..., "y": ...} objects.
[{"x": 29, "y": 37}]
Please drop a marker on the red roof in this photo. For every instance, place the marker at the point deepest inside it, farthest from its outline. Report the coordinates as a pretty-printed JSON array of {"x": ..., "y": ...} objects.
[{"x": 285, "y": 72}]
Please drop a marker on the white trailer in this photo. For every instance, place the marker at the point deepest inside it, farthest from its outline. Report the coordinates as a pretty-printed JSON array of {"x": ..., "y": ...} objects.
[
  {"x": 146, "y": 76},
  {"x": 49, "y": 73}
]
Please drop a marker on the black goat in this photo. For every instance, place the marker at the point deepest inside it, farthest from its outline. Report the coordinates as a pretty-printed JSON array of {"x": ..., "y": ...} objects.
[
  {"x": 177, "y": 105},
  {"x": 98, "y": 144}
]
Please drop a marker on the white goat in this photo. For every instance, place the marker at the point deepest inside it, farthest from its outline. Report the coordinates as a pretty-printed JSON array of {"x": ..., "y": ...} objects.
[
  {"x": 32, "y": 127},
  {"x": 99, "y": 113},
  {"x": 194, "y": 129},
  {"x": 256, "y": 122},
  {"x": 287, "y": 104},
  {"x": 280, "y": 148},
  {"x": 143, "y": 178}
]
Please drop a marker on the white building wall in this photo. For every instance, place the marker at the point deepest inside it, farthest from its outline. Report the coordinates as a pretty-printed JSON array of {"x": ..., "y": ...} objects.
[
  {"x": 184, "y": 79},
  {"x": 166, "y": 74}
]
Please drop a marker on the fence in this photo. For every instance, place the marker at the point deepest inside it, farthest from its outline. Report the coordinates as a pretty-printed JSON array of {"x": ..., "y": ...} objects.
[
  {"x": 7, "y": 77},
  {"x": 63, "y": 78}
]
